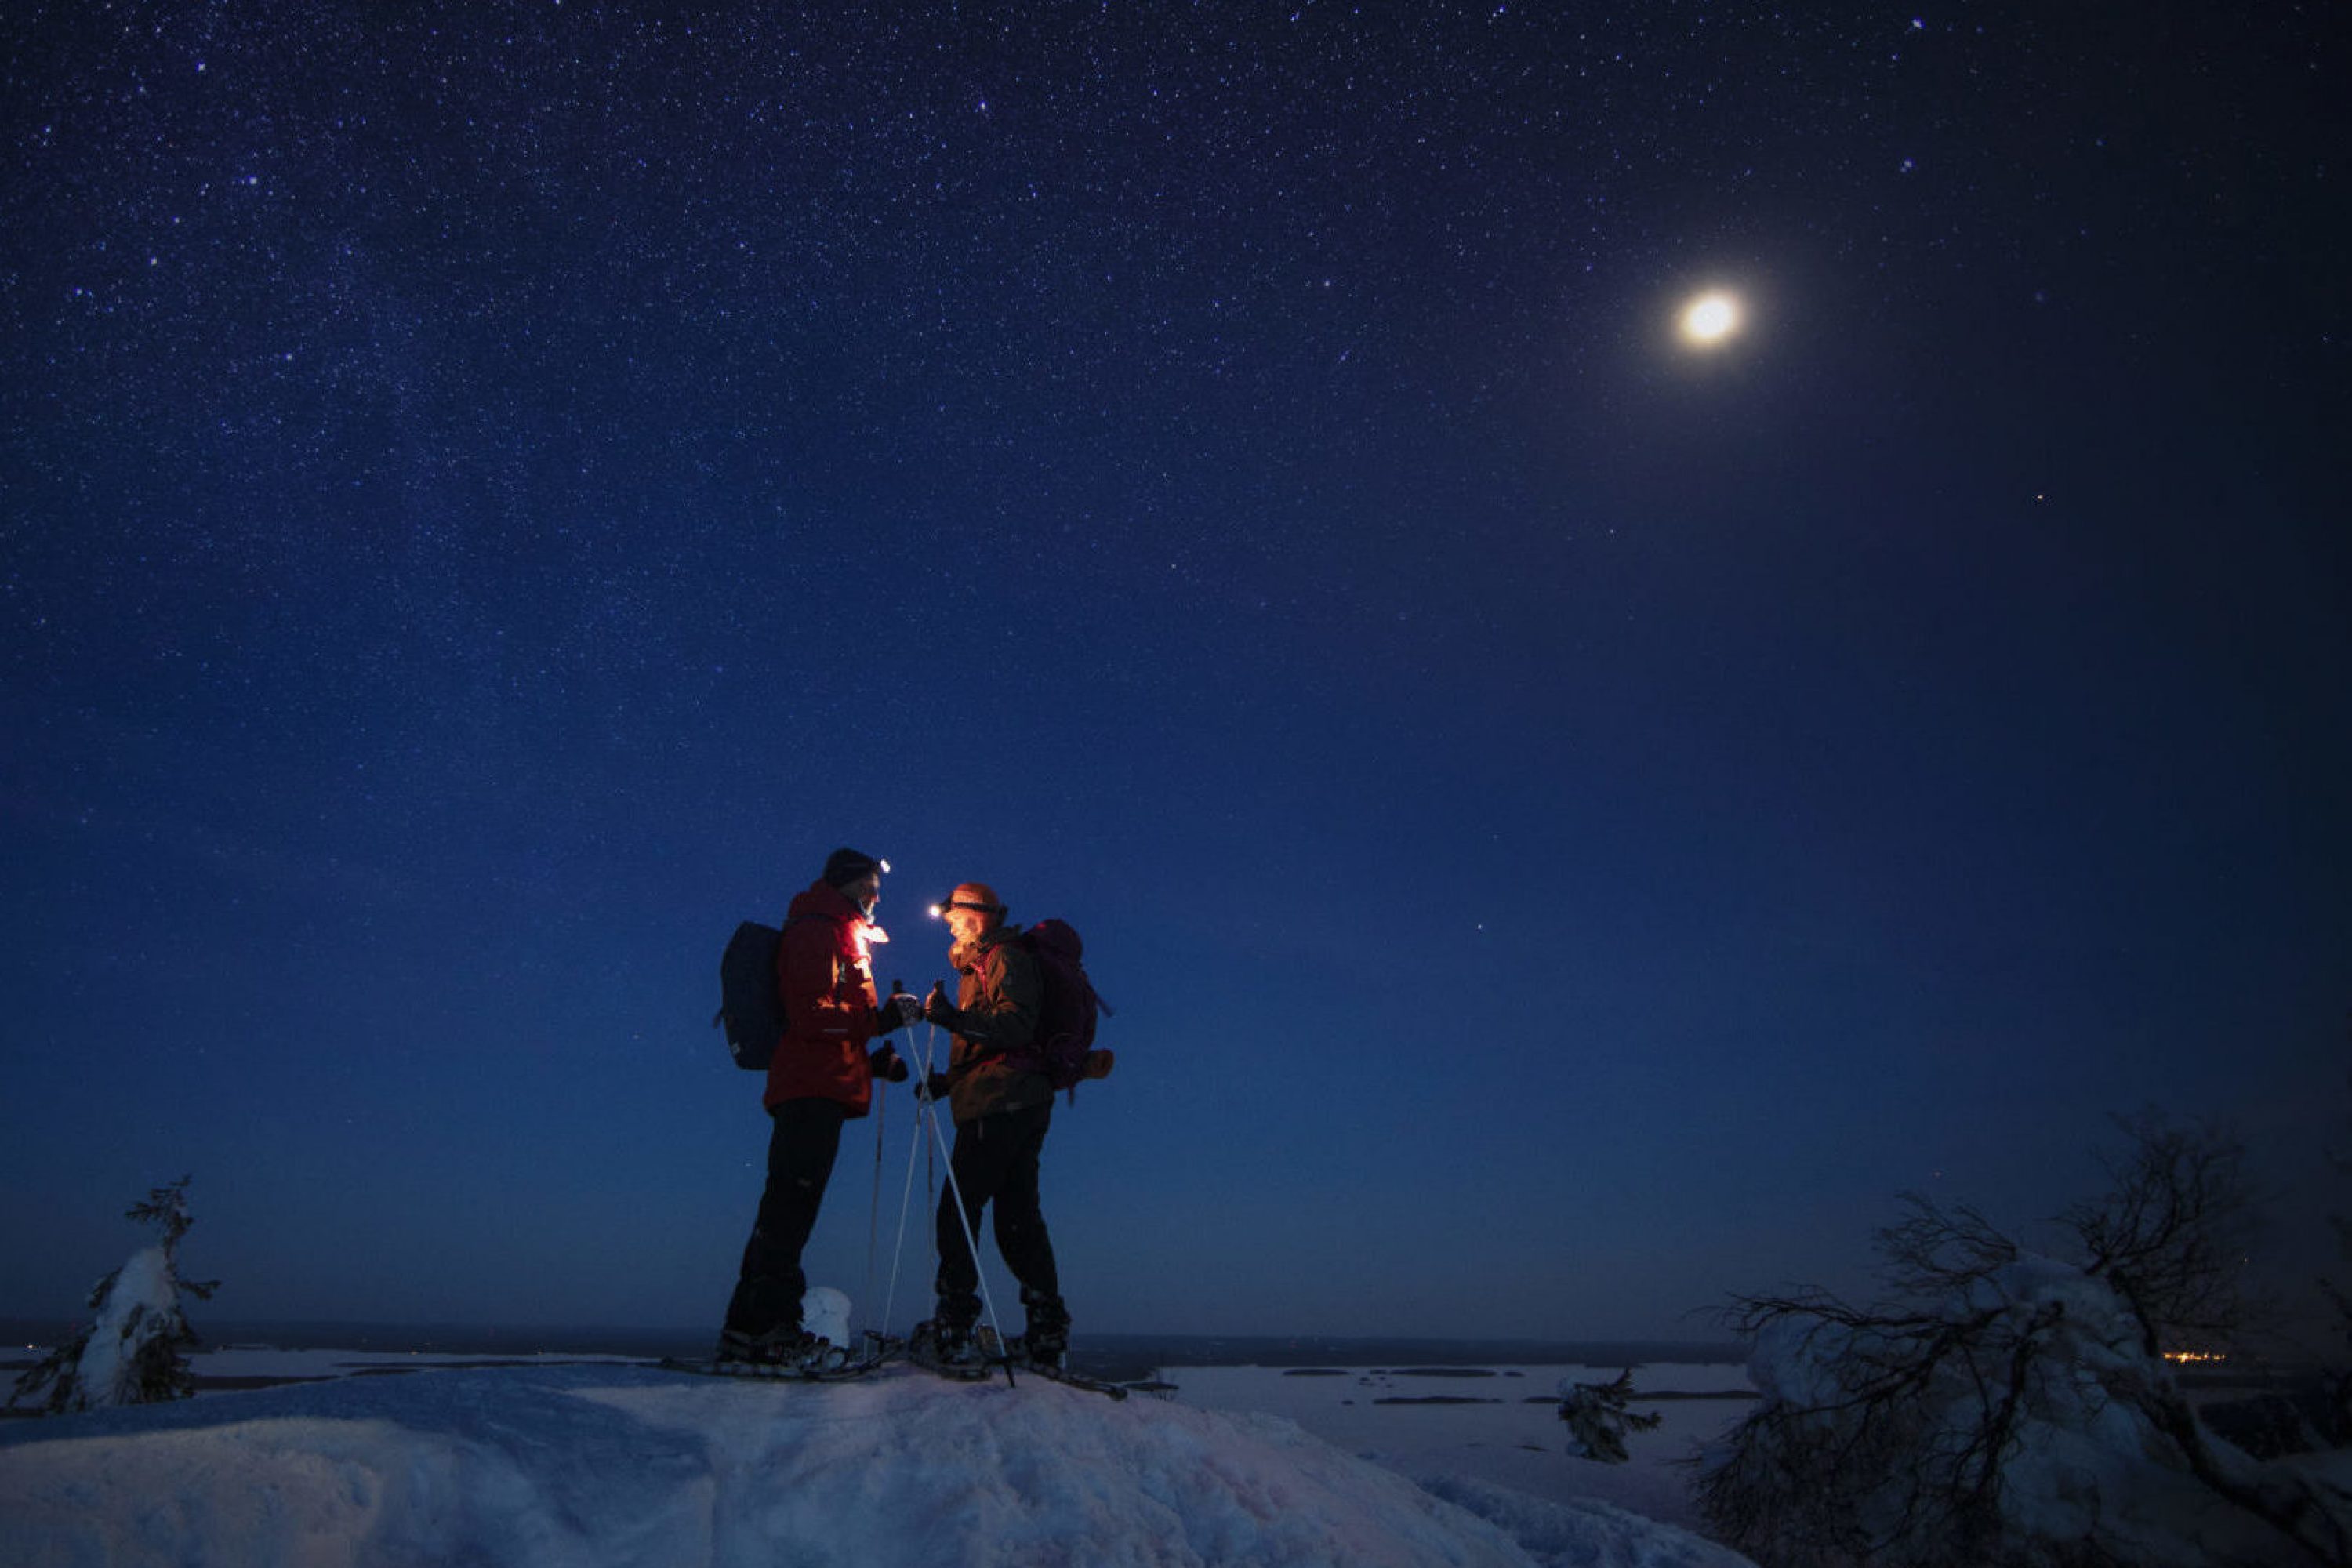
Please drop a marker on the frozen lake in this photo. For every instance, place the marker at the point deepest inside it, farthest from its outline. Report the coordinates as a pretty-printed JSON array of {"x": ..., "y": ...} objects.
[{"x": 1496, "y": 1423}]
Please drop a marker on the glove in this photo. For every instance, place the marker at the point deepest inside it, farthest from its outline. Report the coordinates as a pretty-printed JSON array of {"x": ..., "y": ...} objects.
[
  {"x": 896, "y": 1012},
  {"x": 934, "y": 1087},
  {"x": 887, "y": 1064},
  {"x": 938, "y": 1009}
]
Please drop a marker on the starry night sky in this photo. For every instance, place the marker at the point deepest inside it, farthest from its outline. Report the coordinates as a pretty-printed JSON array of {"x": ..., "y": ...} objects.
[{"x": 1573, "y": 825}]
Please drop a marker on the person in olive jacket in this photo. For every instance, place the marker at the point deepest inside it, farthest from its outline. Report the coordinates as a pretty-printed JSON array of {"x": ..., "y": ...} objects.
[
  {"x": 1002, "y": 1110},
  {"x": 821, "y": 1075}
]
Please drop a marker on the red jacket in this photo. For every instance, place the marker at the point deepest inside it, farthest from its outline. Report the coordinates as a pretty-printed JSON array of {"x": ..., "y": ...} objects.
[{"x": 827, "y": 981}]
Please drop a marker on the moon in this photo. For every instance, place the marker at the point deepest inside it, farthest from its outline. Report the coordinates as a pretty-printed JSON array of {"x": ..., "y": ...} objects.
[{"x": 1710, "y": 318}]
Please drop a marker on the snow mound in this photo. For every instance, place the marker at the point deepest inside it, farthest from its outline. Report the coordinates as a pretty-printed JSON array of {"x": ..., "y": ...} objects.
[
  {"x": 1587, "y": 1533},
  {"x": 627, "y": 1466}
]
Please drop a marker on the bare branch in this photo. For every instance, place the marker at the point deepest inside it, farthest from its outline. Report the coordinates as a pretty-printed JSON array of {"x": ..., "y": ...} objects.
[{"x": 1894, "y": 1433}]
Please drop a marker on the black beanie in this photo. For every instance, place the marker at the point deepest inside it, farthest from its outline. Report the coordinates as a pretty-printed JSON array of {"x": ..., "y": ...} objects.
[{"x": 844, "y": 866}]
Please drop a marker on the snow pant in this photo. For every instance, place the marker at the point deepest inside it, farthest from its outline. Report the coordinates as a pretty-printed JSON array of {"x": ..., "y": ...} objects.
[
  {"x": 801, "y": 1150},
  {"x": 995, "y": 1160}
]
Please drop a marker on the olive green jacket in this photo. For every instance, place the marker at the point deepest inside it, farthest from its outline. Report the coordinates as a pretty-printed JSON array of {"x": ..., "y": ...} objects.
[{"x": 998, "y": 997}]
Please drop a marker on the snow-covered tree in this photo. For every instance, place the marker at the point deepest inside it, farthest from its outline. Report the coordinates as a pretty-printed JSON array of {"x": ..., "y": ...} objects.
[
  {"x": 1598, "y": 1418},
  {"x": 134, "y": 1350},
  {"x": 2004, "y": 1406}
]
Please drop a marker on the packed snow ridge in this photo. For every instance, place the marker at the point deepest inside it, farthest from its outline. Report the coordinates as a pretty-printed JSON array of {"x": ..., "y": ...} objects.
[{"x": 613, "y": 1465}]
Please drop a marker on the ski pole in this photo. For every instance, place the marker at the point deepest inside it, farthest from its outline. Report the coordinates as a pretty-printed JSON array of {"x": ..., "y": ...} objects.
[
  {"x": 971, "y": 1245},
  {"x": 874, "y": 1212},
  {"x": 907, "y": 1192},
  {"x": 928, "y": 1112}
]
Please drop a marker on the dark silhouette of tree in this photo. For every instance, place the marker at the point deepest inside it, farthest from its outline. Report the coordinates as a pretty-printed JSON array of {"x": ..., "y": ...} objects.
[{"x": 1598, "y": 1418}]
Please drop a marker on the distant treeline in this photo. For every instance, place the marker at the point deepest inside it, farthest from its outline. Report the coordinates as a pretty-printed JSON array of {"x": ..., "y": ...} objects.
[{"x": 1103, "y": 1355}]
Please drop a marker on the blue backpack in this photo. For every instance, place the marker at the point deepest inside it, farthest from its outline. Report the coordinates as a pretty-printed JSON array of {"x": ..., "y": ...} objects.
[{"x": 748, "y": 1008}]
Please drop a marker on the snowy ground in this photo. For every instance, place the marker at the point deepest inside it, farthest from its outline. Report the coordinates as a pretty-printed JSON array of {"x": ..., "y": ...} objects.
[
  {"x": 565, "y": 1461},
  {"x": 1505, "y": 1430}
]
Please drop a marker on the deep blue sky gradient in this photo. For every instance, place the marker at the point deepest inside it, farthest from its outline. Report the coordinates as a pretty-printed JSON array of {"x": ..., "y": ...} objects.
[{"x": 1571, "y": 826}]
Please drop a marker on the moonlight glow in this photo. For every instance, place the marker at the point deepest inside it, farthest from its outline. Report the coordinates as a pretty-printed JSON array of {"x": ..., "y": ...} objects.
[{"x": 1710, "y": 318}]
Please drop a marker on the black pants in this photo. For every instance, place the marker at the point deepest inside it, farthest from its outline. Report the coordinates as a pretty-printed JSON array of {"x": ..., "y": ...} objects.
[
  {"x": 800, "y": 1151},
  {"x": 995, "y": 1159}
]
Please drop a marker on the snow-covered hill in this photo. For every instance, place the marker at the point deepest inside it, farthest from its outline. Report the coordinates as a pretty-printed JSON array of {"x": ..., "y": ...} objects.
[{"x": 576, "y": 1465}]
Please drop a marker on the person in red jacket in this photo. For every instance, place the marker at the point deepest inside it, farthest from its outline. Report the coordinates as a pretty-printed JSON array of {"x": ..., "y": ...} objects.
[{"x": 822, "y": 1075}]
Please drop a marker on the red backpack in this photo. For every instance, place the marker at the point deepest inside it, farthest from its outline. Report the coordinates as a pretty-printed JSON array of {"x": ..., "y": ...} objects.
[{"x": 1062, "y": 1048}]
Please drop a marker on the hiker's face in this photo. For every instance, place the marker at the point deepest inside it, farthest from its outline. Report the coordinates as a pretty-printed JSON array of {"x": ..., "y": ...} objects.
[
  {"x": 866, "y": 891},
  {"x": 964, "y": 927}
]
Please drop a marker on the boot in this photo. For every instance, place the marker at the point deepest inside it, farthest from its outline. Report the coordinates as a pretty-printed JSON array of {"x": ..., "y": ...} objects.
[
  {"x": 950, "y": 1345},
  {"x": 814, "y": 1354},
  {"x": 1047, "y": 1343}
]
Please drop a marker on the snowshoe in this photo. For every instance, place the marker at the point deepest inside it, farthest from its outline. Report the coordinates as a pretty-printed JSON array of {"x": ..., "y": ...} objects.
[
  {"x": 774, "y": 1347},
  {"x": 1070, "y": 1379},
  {"x": 952, "y": 1350},
  {"x": 769, "y": 1371},
  {"x": 1026, "y": 1355},
  {"x": 794, "y": 1348},
  {"x": 788, "y": 1355}
]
